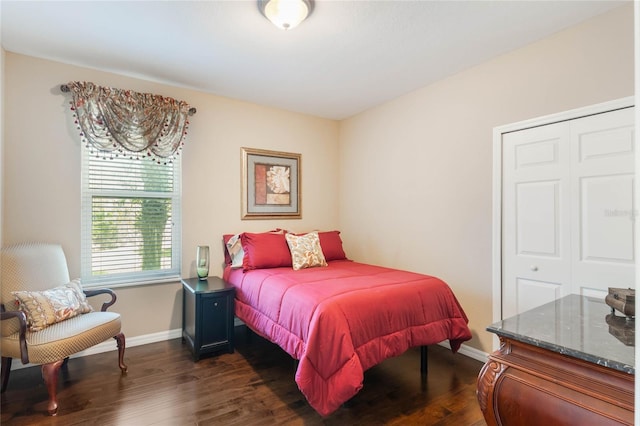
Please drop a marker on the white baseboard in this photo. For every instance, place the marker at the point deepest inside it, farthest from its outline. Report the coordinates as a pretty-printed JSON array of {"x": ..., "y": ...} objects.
[
  {"x": 110, "y": 345},
  {"x": 465, "y": 350}
]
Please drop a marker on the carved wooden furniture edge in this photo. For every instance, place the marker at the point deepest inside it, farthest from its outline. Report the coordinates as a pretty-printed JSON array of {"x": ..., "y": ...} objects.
[
  {"x": 575, "y": 374},
  {"x": 532, "y": 367}
]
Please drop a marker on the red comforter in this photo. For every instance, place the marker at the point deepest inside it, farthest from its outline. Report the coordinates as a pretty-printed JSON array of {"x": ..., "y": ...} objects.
[{"x": 340, "y": 320}]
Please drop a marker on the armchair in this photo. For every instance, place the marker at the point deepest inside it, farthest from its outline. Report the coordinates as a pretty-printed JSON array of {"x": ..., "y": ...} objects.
[{"x": 37, "y": 267}]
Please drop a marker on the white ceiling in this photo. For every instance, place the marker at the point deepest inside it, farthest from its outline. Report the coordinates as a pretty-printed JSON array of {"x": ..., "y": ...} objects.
[{"x": 347, "y": 57}]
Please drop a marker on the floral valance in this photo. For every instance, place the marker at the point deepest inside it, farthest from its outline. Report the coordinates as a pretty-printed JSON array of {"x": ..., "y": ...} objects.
[{"x": 123, "y": 122}]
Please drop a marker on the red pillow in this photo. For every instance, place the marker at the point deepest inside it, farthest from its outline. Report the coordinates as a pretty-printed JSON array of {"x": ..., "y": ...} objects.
[
  {"x": 331, "y": 244},
  {"x": 227, "y": 237},
  {"x": 265, "y": 250}
]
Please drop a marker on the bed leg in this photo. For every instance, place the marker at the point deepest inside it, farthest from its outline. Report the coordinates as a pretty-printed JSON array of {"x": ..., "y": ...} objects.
[{"x": 423, "y": 361}]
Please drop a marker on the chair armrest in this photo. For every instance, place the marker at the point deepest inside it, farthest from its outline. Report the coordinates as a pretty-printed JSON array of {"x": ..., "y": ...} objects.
[
  {"x": 95, "y": 292},
  {"x": 22, "y": 319}
]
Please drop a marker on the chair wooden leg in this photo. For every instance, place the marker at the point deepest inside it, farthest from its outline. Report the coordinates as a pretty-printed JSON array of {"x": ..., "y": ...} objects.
[
  {"x": 50, "y": 374},
  {"x": 121, "y": 346},
  {"x": 6, "y": 370}
]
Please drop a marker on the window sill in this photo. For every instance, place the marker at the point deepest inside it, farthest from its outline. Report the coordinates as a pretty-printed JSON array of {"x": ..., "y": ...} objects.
[{"x": 124, "y": 284}]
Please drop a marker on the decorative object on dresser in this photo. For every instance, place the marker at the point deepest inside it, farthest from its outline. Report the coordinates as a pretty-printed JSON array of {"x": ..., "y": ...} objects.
[
  {"x": 623, "y": 328},
  {"x": 558, "y": 364},
  {"x": 207, "y": 315},
  {"x": 623, "y": 300},
  {"x": 45, "y": 316}
]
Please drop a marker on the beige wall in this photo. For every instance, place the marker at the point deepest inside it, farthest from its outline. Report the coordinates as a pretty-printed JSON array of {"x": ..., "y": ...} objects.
[
  {"x": 42, "y": 173},
  {"x": 416, "y": 173},
  {"x": 2, "y": 77}
]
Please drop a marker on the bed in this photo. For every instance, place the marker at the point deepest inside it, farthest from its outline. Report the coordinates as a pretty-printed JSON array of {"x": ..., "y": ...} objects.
[{"x": 338, "y": 318}]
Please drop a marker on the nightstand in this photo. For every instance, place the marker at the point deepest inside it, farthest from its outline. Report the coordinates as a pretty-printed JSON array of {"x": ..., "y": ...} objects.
[{"x": 207, "y": 315}]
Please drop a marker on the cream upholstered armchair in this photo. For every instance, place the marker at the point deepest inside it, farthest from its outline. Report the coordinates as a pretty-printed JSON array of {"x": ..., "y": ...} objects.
[{"x": 45, "y": 317}]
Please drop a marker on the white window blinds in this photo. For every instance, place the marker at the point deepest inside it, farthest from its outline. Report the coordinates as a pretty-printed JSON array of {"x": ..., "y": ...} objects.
[{"x": 130, "y": 220}]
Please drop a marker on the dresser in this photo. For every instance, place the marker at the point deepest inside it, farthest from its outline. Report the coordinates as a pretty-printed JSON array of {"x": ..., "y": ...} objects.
[
  {"x": 568, "y": 362},
  {"x": 207, "y": 315}
]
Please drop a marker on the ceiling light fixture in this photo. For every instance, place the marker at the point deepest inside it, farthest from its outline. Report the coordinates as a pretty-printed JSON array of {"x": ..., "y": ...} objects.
[{"x": 286, "y": 14}]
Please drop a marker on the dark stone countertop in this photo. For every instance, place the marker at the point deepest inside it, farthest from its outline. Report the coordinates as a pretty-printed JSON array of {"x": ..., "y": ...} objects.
[{"x": 576, "y": 326}]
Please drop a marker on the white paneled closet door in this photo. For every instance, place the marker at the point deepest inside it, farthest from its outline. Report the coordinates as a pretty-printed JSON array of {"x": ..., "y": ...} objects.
[
  {"x": 536, "y": 218},
  {"x": 567, "y": 211},
  {"x": 603, "y": 218}
]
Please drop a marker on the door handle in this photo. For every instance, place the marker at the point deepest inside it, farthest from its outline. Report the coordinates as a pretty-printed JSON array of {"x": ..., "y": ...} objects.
[{"x": 534, "y": 268}]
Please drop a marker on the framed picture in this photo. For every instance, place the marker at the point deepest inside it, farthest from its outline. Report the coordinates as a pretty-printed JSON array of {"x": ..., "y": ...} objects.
[{"x": 270, "y": 185}]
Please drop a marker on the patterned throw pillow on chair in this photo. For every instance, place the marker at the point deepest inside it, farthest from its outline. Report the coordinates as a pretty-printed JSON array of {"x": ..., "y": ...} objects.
[{"x": 47, "y": 307}]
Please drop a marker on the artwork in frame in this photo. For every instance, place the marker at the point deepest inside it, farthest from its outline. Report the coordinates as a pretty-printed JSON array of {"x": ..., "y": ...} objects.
[{"x": 270, "y": 185}]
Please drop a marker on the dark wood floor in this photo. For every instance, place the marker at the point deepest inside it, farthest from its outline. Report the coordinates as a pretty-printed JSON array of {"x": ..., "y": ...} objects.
[{"x": 254, "y": 385}]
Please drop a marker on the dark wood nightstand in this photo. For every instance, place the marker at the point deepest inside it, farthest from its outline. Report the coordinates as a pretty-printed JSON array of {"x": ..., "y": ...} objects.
[{"x": 207, "y": 315}]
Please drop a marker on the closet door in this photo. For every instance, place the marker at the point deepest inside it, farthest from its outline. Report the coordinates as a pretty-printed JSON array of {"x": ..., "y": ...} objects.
[
  {"x": 603, "y": 217},
  {"x": 567, "y": 210},
  {"x": 536, "y": 252}
]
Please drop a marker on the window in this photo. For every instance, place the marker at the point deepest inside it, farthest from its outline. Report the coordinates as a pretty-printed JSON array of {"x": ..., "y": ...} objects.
[{"x": 130, "y": 220}]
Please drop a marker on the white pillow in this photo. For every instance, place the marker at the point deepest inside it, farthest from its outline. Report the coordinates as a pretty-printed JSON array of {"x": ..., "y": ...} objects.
[{"x": 236, "y": 253}]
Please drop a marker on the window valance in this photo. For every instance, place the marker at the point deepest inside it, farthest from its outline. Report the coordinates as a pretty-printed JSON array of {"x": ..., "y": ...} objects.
[{"x": 123, "y": 122}]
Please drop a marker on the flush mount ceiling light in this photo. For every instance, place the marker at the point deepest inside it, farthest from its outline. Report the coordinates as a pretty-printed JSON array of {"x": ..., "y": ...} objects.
[{"x": 286, "y": 14}]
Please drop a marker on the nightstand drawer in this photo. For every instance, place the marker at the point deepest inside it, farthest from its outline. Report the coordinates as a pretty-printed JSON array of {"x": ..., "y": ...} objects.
[{"x": 215, "y": 318}]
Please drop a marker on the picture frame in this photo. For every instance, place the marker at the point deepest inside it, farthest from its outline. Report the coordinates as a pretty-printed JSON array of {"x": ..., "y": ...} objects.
[{"x": 271, "y": 187}]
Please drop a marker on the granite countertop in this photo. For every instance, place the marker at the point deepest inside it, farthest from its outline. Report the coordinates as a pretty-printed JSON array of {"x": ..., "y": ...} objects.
[{"x": 576, "y": 326}]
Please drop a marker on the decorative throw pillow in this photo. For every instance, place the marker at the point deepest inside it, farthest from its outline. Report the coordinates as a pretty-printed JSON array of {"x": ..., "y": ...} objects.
[
  {"x": 265, "y": 250},
  {"x": 236, "y": 253},
  {"x": 227, "y": 256},
  {"x": 331, "y": 244},
  {"x": 47, "y": 307},
  {"x": 305, "y": 250}
]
